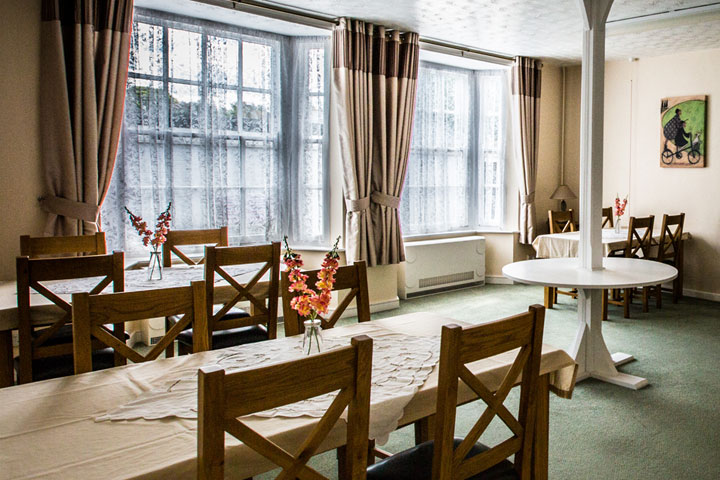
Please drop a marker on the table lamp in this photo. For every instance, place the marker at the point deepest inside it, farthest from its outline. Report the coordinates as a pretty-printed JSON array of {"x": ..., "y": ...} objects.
[{"x": 562, "y": 193}]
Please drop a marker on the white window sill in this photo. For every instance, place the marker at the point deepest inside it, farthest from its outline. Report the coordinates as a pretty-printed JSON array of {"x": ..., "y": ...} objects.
[{"x": 468, "y": 233}]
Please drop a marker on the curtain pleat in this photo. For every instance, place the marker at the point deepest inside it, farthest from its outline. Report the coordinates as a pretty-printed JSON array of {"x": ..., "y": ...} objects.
[
  {"x": 374, "y": 87},
  {"x": 526, "y": 78},
  {"x": 85, "y": 54}
]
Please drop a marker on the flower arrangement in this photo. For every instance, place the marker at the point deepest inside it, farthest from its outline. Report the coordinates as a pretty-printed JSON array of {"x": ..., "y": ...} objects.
[
  {"x": 156, "y": 238},
  {"x": 620, "y": 206},
  {"x": 619, "y": 211},
  {"x": 310, "y": 303},
  {"x": 162, "y": 227}
]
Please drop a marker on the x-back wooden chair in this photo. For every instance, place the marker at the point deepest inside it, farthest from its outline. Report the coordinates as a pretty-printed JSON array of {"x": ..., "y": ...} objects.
[
  {"x": 35, "y": 247},
  {"x": 670, "y": 251},
  {"x": 607, "y": 218},
  {"x": 55, "y": 340},
  {"x": 446, "y": 457},
  {"x": 352, "y": 277},
  {"x": 175, "y": 238},
  {"x": 91, "y": 314},
  {"x": 222, "y": 398},
  {"x": 560, "y": 222},
  {"x": 639, "y": 244},
  {"x": 228, "y": 325}
]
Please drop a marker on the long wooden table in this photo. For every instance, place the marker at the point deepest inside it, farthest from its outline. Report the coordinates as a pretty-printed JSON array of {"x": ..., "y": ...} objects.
[
  {"x": 47, "y": 428},
  {"x": 44, "y": 312}
]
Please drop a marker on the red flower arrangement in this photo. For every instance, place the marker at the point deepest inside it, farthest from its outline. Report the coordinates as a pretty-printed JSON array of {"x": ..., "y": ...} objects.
[
  {"x": 620, "y": 206},
  {"x": 309, "y": 303},
  {"x": 162, "y": 227}
]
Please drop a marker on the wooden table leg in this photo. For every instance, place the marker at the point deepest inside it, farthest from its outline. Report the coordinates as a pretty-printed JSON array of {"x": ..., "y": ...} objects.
[
  {"x": 6, "y": 358},
  {"x": 542, "y": 430}
]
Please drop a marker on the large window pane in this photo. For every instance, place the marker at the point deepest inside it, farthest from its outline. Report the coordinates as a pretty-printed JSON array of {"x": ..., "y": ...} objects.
[
  {"x": 185, "y": 54},
  {"x": 257, "y": 65}
]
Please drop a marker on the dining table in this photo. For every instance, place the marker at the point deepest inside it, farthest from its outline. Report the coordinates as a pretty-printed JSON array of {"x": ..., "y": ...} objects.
[
  {"x": 44, "y": 312},
  {"x": 139, "y": 420}
]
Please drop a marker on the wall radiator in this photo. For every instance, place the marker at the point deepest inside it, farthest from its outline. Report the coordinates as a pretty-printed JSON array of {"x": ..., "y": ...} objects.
[{"x": 437, "y": 265}]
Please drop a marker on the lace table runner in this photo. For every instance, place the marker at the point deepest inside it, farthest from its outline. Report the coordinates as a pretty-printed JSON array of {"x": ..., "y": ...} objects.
[
  {"x": 135, "y": 280},
  {"x": 401, "y": 364}
]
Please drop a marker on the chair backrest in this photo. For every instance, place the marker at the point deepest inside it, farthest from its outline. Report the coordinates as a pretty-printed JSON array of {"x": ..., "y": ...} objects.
[
  {"x": 253, "y": 291},
  {"x": 639, "y": 239},
  {"x": 92, "y": 313},
  {"x": 352, "y": 277},
  {"x": 222, "y": 398},
  {"x": 175, "y": 238},
  {"x": 34, "y": 247},
  {"x": 35, "y": 342},
  {"x": 607, "y": 218},
  {"x": 669, "y": 244},
  {"x": 460, "y": 346},
  {"x": 561, "y": 221}
]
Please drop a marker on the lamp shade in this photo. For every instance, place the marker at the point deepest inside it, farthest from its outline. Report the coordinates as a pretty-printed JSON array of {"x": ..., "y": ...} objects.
[{"x": 563, "y": 192}]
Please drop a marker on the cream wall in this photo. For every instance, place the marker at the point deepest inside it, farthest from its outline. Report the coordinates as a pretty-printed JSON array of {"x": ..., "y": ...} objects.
[
  {"x": 632, "y": 154},
  {"x": 20, "y": 172}
]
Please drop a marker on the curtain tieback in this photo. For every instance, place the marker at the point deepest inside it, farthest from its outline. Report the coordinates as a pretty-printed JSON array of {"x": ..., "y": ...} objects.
[
  {"x": 359, "y": 205},
  {"x": 526, "y": 199},
  {"x": 70, "y": 208},
  {"x": 384, "y": 199}
]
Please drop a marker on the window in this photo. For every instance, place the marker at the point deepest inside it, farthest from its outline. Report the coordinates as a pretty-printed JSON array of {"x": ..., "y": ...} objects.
[
  {"x": 454, "y": 179},
  {"x": 218, "y": 120}
]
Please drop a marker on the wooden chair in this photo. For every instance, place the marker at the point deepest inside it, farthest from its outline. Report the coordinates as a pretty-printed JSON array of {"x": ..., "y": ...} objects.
[
  {"x": 46, "y": 352},
  {"x": 607, "y": 218},
  {"x": 446, "y": 457},
  {"x": 175, "y": 238},
  {"x": 638, "y": 245},
  {"x": 560, "y": 222},
  {"x": 670, "y": 251},
  {"x": 229, "y": 325},
  {"x": 353, "y": 277},
  {"x": 92, "y": 313},
  {"x": 35, "y": 247},
  {"x": 222, "y": 398}
]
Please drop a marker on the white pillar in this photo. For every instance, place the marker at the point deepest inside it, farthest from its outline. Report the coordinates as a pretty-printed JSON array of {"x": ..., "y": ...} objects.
[{"x": 594, "y": 13}]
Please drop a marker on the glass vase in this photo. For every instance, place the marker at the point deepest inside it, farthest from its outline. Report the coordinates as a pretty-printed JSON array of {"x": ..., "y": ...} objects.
[
  {"x": 617, "y": 225},
  {"x": 155, "y": 266},
  {"x": 312, "y": 339}
]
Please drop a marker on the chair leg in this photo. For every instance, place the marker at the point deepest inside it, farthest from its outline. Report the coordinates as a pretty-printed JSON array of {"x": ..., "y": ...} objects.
[
  {"x": 658, "y": 296},
  {"x": 555, "y": 295},
  {"x": 677, "y": 289},
  {"x": 170, "y": 350},
  {"x": 424, "y": 429},
  {"x": 604, "y": 305},
  {"x": 548, "y": 297},
  {"x": 184, "y": 349},
  {"x": 627, "y": 294},
  {"x": 6, "y": 359},
  {"x": 645, "y": 298}
]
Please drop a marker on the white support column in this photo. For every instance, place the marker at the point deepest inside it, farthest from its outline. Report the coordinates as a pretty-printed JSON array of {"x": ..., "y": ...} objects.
[
  {"x": 589, "y": 349},
  {"x": 594, "y": 13}
]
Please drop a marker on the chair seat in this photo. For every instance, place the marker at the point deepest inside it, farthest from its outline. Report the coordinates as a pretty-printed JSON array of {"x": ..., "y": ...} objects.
[
  {"x": 229, "y": 338},
  {"x": 62, "y": 366},
  {"x": 416, "y": 464}
]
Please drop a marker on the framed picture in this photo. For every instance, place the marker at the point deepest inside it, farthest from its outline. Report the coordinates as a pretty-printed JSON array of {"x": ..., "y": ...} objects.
[{"x": 682, "y": 131}]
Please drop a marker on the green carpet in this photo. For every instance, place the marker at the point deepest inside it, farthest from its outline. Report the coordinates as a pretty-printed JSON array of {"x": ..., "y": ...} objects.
[{"x": 668, "y": 430}]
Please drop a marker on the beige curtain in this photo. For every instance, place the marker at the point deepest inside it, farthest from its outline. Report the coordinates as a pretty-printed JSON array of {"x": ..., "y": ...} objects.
[
  {"x": 374, "y": 86},
  {"x": 526, "y": 76},
  {"x": 85, "y": 49}
]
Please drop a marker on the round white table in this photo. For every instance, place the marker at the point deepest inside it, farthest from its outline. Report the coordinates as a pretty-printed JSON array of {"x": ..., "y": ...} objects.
[{"x": 589, "y": 349}]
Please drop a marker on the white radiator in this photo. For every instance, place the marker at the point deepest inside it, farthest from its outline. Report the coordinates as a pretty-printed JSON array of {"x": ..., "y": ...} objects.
[{"x": 435, "y": 265}]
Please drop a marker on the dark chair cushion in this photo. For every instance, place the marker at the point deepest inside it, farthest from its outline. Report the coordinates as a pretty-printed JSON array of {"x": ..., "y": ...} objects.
[
  {"x": 64, "y": 335},
  {"x": 62, "y": 366},
  {"x": 416, "y": 464},
  {"x": 229, "y": 338}
]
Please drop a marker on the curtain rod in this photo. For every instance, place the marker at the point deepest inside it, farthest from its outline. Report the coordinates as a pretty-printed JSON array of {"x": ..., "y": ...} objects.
[{"x": 320, "y": 20}]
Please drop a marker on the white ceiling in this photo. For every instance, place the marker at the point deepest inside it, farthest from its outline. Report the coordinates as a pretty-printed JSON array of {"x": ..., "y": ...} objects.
[{"x": 549, "y": 29}]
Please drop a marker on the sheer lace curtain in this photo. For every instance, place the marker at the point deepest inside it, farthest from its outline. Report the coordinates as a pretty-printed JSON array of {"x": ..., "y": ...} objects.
[
  {"x": 455, "y": 173},
  {"x": 216, "y": 124}
]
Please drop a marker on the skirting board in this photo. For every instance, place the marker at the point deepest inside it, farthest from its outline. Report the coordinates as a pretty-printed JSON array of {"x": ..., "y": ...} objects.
[
  {"x": 713, "y": 297},
  {"x": 498, "y": 279}
]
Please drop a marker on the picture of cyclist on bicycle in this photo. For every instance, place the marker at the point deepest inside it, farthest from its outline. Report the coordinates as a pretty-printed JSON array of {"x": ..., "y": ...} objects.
[{"x": 682, "y": 125}]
